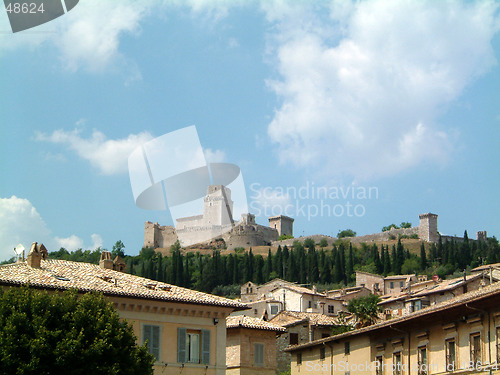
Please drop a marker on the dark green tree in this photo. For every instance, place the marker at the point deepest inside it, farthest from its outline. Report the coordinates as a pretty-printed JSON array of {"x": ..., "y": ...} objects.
[
  {"x": 346, "y": 233},
  {"x": 62, "y": 333},
  {"x": 423, "y": 257},
  {"x": 118, "y": 249}
]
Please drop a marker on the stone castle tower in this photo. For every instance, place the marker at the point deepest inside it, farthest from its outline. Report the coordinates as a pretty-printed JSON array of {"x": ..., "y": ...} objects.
[
  {"x": 283, "y": 224},
  {"x": 427, "y": 230}
]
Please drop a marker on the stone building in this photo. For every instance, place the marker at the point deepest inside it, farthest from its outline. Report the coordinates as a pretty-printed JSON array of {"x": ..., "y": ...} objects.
[
  {"x": 434, "y": 292},
  {"x": 283, "y": 224},
  {"x": 289, "y": 296},
  {"x": 461, "y": 336},
  {"x": 217, "y": 222},
  {"x": 186, "y": 329},
  {"x": 302, "y": 328},
  {"x": 251, "y": 346}
]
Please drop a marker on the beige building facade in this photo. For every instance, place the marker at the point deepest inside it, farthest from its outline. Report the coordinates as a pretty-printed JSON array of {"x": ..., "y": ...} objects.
[
  {"x": 459, "y": 336},
  {"x": 184, "y": 329},
  {"x": 251, "y": 346}
]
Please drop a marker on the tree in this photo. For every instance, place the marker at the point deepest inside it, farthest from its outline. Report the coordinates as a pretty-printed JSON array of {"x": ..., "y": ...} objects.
[
  {"x": 323, "y": 243},
  {"x": 346, "y": 233},
  {"x": 405, "y": 224},
  {"x": 423, "y": 257},
  {"x": 389, "y": 227},
  {"x": 118, "y": 249},
  {"x": 365, "y": 309},
  {"x": 62, "y": 333}
]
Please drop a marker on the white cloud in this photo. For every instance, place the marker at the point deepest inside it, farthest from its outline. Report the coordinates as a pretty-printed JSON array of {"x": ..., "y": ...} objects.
[
  {"x": 20, "y": 223},
  {"x": 214, "y": 156},
  {"x": 88, "y": 36},
  {"x": 109, "y": 156},
  {"x": 362, "y": 91},
  {"x": 70, "y": 243},
  {"x": 96, "y": 241}
]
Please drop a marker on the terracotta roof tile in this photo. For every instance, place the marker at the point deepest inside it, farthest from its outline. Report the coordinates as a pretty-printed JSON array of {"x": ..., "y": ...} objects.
[
  {"x": 485, "y": 292},
  {"x": 288, "y": 318},
  {"x": 86, "y": 277},
  {"x": 242, "y": 321}
]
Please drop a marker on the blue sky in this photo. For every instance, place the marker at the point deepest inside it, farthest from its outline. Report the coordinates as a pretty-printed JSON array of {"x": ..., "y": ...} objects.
[{"x": 397, "y": 96}]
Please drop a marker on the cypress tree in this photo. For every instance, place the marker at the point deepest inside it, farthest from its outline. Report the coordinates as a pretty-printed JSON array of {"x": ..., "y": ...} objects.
[
  {"x": 394, "y": 260},
  {"x": 349, "y": 266},
  {"x": 423, "y": 258},
  {"x": 387, "y": 261},
  {"x": 269, "y": 265}
]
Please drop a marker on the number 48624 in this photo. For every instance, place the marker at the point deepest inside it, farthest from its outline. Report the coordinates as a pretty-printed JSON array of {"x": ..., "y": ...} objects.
[{"x": 24, "y": 8}]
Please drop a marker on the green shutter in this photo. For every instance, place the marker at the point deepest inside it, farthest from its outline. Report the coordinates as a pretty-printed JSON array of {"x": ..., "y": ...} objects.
[
  {"x": 181, "y": 345},
  {"x": 146, "y": 336},
  {"x": 155, "y": 341},
  {"x": 205, "y": 346}
]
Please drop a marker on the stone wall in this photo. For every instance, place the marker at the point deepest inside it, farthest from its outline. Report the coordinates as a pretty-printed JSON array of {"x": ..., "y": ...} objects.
[
  {"x": 374, "y": 283},
  {"x": 158, "y": 236},
  {"x": 385, "y": 236},
  {"x": 244, "y": 235},
  {"x": 240, "y": 350}
]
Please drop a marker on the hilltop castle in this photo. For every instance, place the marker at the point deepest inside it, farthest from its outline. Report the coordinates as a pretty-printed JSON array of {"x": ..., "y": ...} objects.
[
  {"x": 217, "y": 226},
  {"x": 217, "y": 222}
]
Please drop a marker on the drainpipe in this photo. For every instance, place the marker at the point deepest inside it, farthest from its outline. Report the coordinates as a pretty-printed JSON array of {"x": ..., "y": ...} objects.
[{"x": 489, "y": 328}]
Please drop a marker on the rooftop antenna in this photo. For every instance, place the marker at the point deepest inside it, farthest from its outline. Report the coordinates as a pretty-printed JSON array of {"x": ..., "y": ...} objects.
[{"x": 19, "y": 249}]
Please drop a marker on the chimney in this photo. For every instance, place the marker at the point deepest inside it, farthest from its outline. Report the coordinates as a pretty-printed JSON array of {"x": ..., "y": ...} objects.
[
  {"x": 34, "y": 256},
  {"x": 315, "y": 290},
  {"x": 106, "y": 262},
  {"x": 119, "y": 264}
]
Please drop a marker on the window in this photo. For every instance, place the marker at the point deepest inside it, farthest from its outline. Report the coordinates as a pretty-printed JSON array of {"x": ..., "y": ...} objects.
[
  {"x": 347, "y": 347},
  {"x": 251, "y": 290},
  {"x": 400, "y": 284},
  {"x": 322, "y": 353},
  {"x": 379, "y": 362},
  {"x": 396, "y": 362},
  {"x": 294, "y": 338},
  {"x": 422, "y": 360},
  {"x": 193, "y": 346},
  {"x": 331, "y": 309},
  {"x": 299, "y": 358},
  {"x": 498, "y": 344},
  {"x": 258, "y": 354},
  {"x": 475, "y": 348},
  {"x": 151, "y": 335},
  {"x": 392, "y": 284},
  {"x": 274, "y": 309},
  {"x": 418, "y": 305},
  {"x": 450, "y": 355},
  {"x": 255, "y": 311},
  {"x": 309, "y": 305}
]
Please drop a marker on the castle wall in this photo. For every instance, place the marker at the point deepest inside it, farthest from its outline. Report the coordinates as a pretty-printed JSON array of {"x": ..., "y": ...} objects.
[
  {"x": 156, "y": 236},
  {"x": 250, "y": 235},
  {"x": 386, "y": 236},
  {"x": 193, "y": 235}
]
